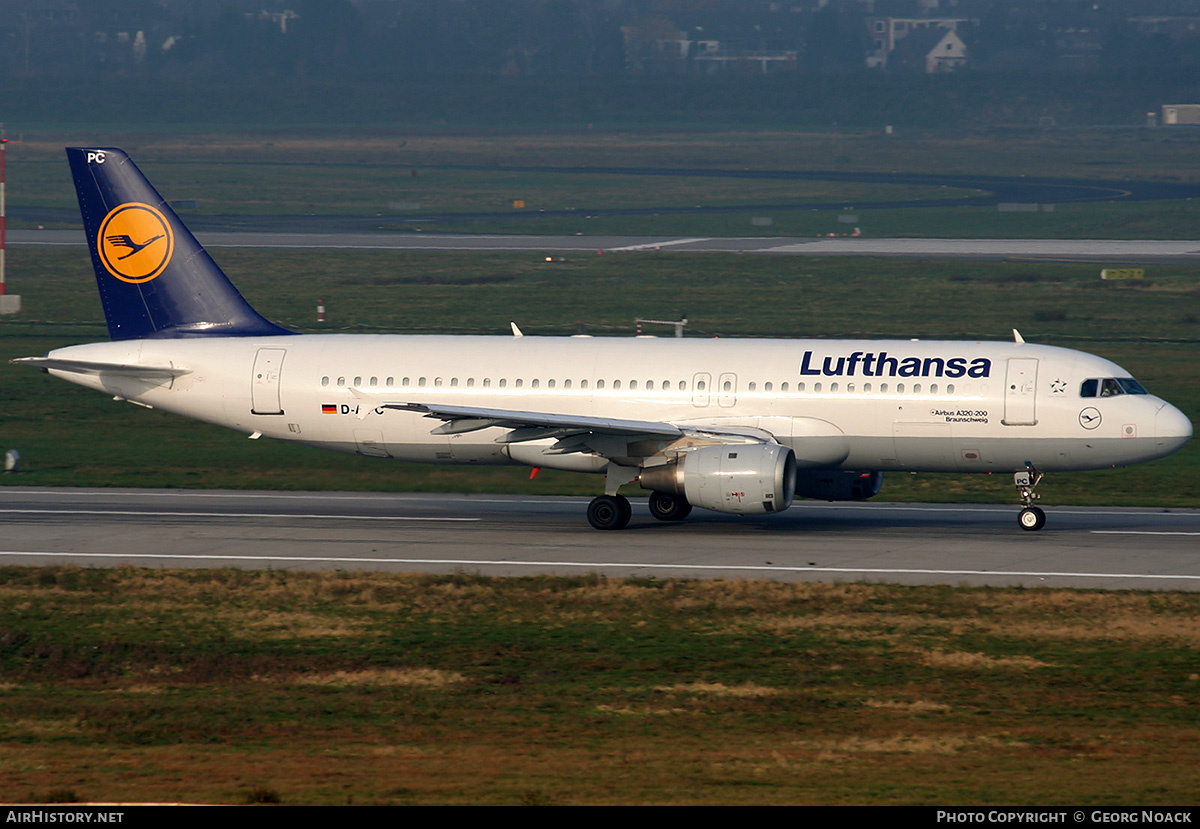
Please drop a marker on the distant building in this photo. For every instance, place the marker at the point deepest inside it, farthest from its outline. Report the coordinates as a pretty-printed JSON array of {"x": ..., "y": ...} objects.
[
  {"x": 1178, "y": 28},
  {"x": 887, "y": 33},
  {"x": 930, "y": 51},
  {"x": 1173, "y": 114},
  {"x": 757, "y": 62}
]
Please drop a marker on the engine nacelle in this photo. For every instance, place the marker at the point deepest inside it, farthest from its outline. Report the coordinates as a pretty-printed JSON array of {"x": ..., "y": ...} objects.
[
  {"x": 838, "y": 484},
  {"x": 745, "y": 479}
]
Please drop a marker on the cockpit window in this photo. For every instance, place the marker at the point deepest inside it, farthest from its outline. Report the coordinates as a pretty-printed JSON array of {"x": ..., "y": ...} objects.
[{"x": 1110, "y": 387}]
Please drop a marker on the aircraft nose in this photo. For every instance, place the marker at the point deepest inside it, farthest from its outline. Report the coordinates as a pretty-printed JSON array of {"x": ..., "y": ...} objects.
[{"x": 1172, "y": 428}]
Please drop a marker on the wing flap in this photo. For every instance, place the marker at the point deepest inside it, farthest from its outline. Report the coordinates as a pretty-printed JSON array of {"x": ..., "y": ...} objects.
[
  {"x": 470, "y": 418},
  {"x": 628, "y": 442}
]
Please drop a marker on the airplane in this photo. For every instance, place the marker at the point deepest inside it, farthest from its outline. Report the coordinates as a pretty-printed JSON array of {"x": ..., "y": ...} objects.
[{"x": 739, "y": 426}]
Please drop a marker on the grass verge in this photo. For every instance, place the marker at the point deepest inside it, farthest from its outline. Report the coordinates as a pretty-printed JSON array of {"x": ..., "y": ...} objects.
[{"x": 229, "y": 686}]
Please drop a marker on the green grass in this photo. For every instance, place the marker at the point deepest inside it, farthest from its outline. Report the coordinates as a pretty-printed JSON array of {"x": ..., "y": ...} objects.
[
  {"x": 228, "y": 686},
  {"x": 368, "y": 173}
]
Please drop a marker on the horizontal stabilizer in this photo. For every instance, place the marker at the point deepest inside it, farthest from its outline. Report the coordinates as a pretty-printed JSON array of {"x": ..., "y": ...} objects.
[{"x": 87, "y": 367}]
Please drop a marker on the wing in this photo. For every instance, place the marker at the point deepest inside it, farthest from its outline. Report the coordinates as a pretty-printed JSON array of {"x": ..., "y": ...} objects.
[{"x": 626, "y": 442}]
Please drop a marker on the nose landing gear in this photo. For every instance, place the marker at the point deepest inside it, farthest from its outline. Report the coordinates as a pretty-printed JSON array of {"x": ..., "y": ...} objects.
[{"x": 1031, "y": 517}]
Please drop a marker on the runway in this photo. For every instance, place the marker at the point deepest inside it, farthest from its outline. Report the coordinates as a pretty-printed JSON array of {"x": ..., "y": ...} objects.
[
  {"x": 1083, "y": 250},
  {"x": 1103, "y": 547}
]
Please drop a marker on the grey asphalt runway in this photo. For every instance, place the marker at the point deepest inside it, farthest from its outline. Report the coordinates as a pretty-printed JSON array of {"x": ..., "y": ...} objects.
[
  {"x": 1110, "y": 548},
  {"x": 1083, "y": 250}
]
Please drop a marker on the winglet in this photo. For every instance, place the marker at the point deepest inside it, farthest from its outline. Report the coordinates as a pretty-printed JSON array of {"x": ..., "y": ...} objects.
[
  {"x": 1017, "y": 338},
  {"x": 516, "y": 331}
]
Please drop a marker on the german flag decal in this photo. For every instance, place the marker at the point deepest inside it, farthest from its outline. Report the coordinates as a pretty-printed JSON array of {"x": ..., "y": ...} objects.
[
  {"x": 328, "y": 408},
  {"x": 135, "y": 242}
]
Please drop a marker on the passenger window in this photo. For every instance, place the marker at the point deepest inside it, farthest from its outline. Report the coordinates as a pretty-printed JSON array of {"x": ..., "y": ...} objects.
[
  {"x": 783, "y": 387},
  {"x": 341, "y": 381},
  {"x": 357, "y": 382},
  {"x": 324, "y": 381},
  {"x": 566, "y": 384},
  {"x": 374, "y": 382},
  {"x": 389, "y": 382}
]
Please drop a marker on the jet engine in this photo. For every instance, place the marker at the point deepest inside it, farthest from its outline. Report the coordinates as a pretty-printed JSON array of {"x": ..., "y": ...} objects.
[
  {"x": 838, "y": 484},
  {"x": 745, "y": 479}
]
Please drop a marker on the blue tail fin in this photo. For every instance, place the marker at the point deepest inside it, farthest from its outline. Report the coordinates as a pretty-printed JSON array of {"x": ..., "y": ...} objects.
[{"x": 155, "y": 280}]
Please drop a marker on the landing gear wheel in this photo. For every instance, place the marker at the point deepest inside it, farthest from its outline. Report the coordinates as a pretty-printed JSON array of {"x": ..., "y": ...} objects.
[
  {"x": 1032, "y": 518},
  {"x": 667, "y": 507},
  {"x": 609, "y": 512}
]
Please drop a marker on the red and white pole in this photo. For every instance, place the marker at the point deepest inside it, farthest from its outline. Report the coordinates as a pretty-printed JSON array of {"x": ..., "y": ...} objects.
[
  {"x": 320, "y": 310},
  {"x": 3, "y": 243}
]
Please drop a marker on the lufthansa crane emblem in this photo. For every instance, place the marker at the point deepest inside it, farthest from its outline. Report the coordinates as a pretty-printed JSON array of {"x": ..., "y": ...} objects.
[{"x": 135, "y": 242}]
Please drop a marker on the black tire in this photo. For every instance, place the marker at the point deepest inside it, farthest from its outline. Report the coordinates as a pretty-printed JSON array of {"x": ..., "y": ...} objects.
[
  {"x": 609, "y": 512},
  {"x": 667, "y": 507},
  {"x": 1032, "y": 518}
]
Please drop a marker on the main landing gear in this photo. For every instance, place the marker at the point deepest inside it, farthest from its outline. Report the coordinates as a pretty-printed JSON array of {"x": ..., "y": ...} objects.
[
  {"x": 667, "y": 507},
  {"x": 612, "y": 512},
  {"x": 609, "y": 512},
  {"x": 1032, "y": 517}
]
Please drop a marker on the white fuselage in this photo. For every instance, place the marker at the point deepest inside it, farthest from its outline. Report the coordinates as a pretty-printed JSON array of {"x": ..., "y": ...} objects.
[{"x": 852, "y": 404}]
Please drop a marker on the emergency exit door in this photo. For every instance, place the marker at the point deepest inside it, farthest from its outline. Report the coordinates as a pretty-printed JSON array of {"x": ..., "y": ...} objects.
[
  {"x": 264, "y": 382},
  {"x": 1020, "y": 392}
]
